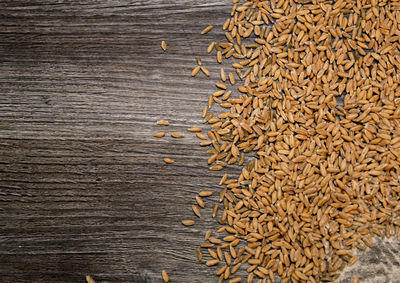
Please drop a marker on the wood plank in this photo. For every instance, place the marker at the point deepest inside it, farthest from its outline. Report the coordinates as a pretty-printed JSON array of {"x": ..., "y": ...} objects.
[{"x": 83, "y": 188}]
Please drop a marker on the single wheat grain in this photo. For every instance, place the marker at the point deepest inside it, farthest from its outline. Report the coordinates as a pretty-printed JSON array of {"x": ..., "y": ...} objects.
[{"x": 164, "y": 45}]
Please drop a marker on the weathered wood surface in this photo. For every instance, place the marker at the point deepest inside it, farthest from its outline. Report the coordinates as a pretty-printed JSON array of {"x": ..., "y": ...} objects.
[{"x": 83, "y": 189}]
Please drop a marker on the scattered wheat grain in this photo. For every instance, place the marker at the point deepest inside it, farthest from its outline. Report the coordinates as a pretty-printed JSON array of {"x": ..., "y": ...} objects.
[
  {"x": 177, "y": 135},
  {"x": 159, "y": 134},
  {"x": 164, "y": 45},
  {"x": 207, "y": 29},
  {"x": 188, "y": 222},
  {"x": 164, "y": 276},
  {"x": 168, "y": 160}
]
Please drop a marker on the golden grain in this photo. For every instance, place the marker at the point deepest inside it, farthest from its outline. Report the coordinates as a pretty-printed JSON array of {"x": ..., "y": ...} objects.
[
  {"x": 223, "y": 75},
  {"x": 196, "y": 210},
  {"x": 216, "y": 167},
  {"x": 199, "y": 254},
  {"x": 195, "y": 71},
  {"x": 162, "y": 122},
  {"x": 231, "y": 78},
  {"x": 89, "y": 279},
  {"x": 201, "y": 136},
  {"x": 207, "y": 235},
  {"x": 164, "y": 276},
  {"x": 352, "y": 260},
  {"x": 168, "y": 160},
  {"x": 214, "y": 240},
  {"x": 207, "y": 29},
  {"x": 219, "y": 57},
  {"x": 200, "y": 202},
  {"x": 195, "y": 129},
  {"x": 215, "y": 210},
  {"x": 212, "y": 254},
  {"x": 236, "y": 267},
  {"x": 221, "y": 271},
  {"x": 205, "y": 193},
  {"x": 212, "y": 262},
  {"x": 204, "y": 112},
  {"x": 205, "y": 71},
  {"x": 159, "y": 134},
  {"x": 221, "y": 86},
  {"x": 164, "y": 45},
  {"x": 211, "y": 47},
  {"x": 188, "y": 222},
  {"x": 205, "y": 143},
  {"x": 223, "y": 179},
  {"x": 323, "y": 174},
  {"x": 177, "y": 135},
  {"x": 198, "y": 60}
]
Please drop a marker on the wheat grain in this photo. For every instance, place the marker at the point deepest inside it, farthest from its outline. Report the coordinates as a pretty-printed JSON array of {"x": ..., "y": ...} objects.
[
  {"x": 207, "y": 245},
  {"x": 211, "y": 47},
  {"x": 198, "y": 60},
  {"x": 201, "y": 136},
  {"x": 159, "y": 134},
  {"x": 222, "y": 75},
  {"x": 177, "y": 135},
  {"x": 323, "y": 176},
  {"x": 207, "y": 29},
  {"x": 188, "y": 222},
  {"x": 199, "y": 254},
  {"x": 200, "y": 202},
  {"x": 205, "y": 71},
  {"x": 195, "y": 129},
  {"x": 215, "y": 210},
  {"x": 219, "y": 57},
  {"x": 231, "y": 78},
  {"x": 164, "y": 45},
  {"x": 205, "y": 143},
  {"x": 162, "y": 122},
  {"x": 212, "y": 262},
  {"x": 205, "y": 193},
  {"x": 207, "y": 235},
  {"x": 196, "y": 210},
  {"x": 168, "y": 160},
  {"x": 89, "y": 279},
  {"x": 164, "y": 276},
  {"x": 195, "y": 71}
]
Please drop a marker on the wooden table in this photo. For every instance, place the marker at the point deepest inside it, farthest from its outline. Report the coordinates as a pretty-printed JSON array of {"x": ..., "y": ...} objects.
[{"x": 83, "y": 188}]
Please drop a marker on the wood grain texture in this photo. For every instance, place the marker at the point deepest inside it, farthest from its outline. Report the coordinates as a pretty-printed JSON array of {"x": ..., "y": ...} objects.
[{"x": 83, "y": 188}]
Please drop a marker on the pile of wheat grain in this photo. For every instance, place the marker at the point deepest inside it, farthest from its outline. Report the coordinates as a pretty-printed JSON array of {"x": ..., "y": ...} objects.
[{"x": 326, "y": 176}]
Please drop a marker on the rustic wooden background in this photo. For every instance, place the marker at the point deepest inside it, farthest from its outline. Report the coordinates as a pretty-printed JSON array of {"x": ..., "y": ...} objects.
[{"x": 83, "y": 189}]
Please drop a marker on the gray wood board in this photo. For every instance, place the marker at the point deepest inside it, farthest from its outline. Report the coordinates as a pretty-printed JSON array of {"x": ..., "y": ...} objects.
[{"x": 83, "y": 187}]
